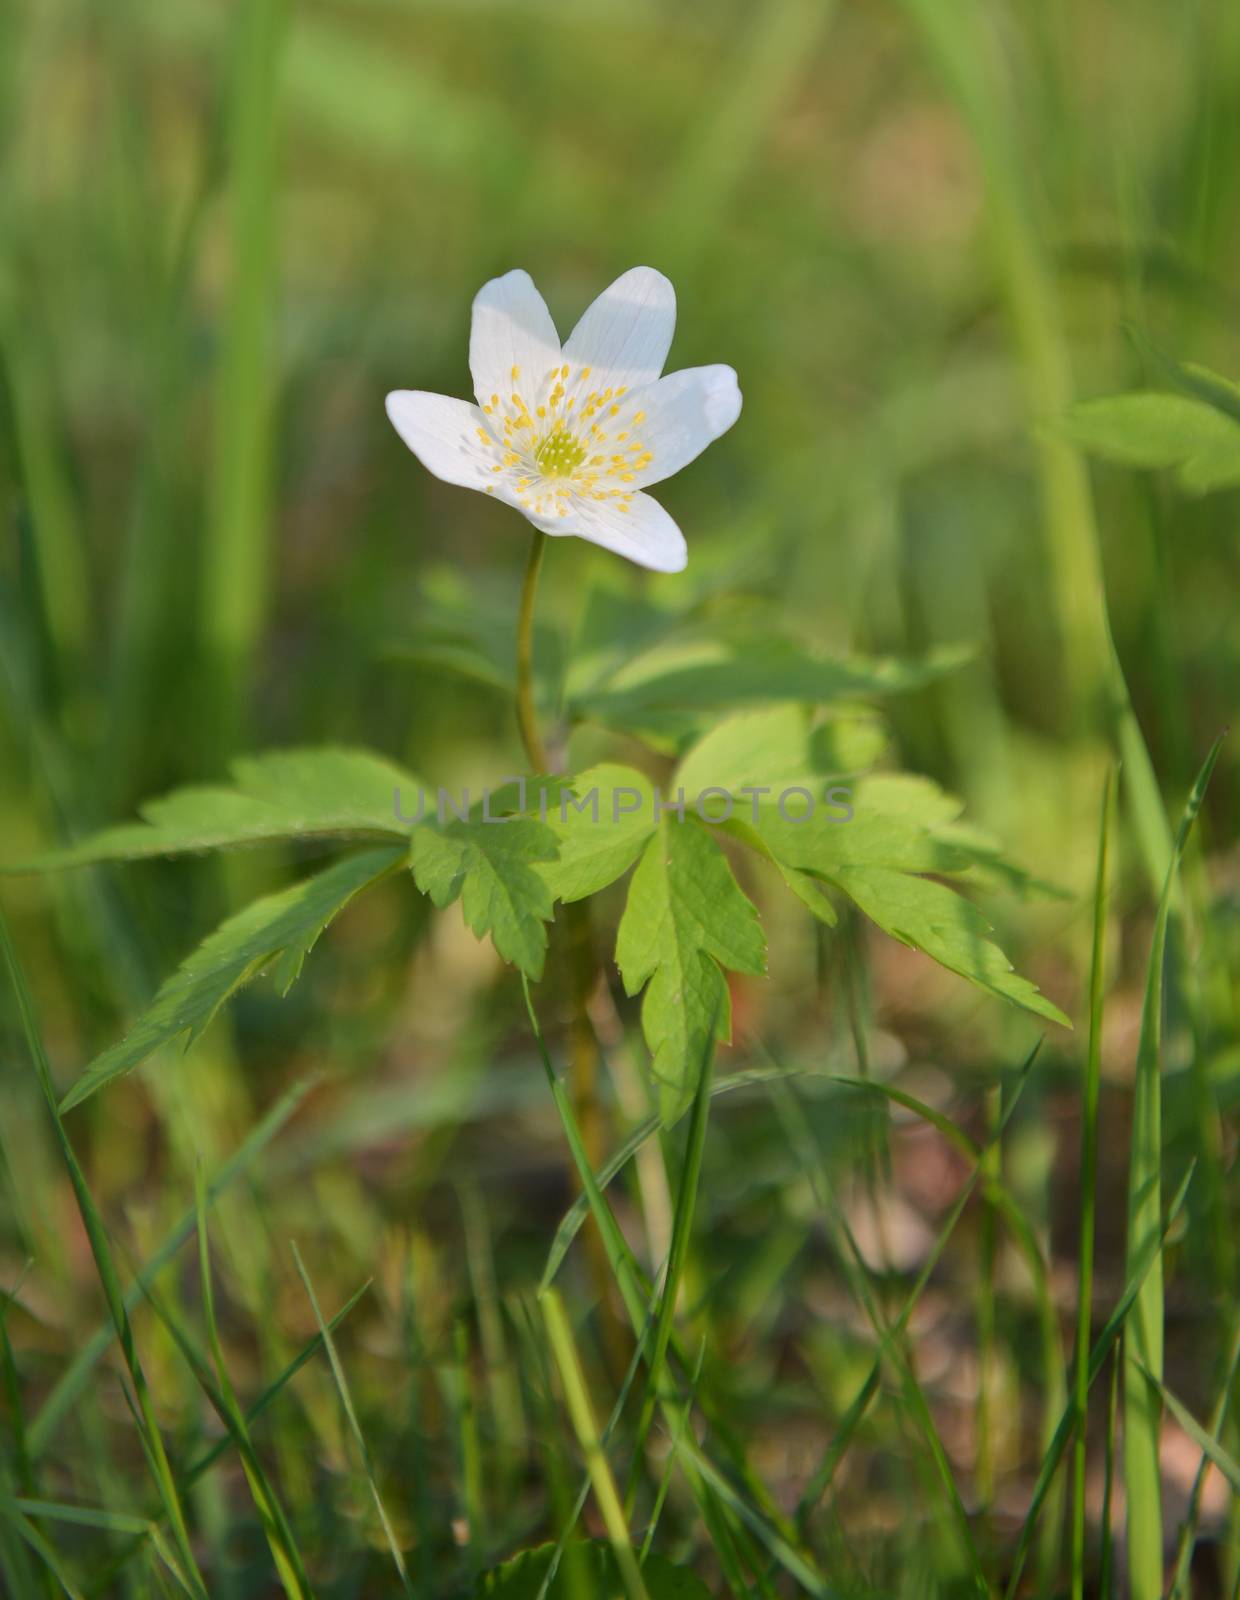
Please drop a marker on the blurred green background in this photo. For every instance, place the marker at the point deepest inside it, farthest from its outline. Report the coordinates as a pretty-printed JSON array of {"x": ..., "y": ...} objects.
[{"x": 918, "y": 231}]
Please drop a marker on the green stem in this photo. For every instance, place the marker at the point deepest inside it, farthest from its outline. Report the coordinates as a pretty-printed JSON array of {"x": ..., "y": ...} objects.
[
  {"x": 535, "y": 750},
  {"x": 582, "y": 969}
]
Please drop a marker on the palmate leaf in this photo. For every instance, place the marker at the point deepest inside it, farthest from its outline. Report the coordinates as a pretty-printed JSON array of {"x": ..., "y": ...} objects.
[
  {"x": 328, "y": 793},
  {"x": 600, "y": 824},
  {"x": 523, "y": 1577},
  {"x": 877, "y": 861},
  {"x": 935, "y": 919},
  {"x": 492, "y": 868},
  {"x": 779, "y": 747},
  {"x": 277, "y": 931},
  {"x": 685, "y": 919}
]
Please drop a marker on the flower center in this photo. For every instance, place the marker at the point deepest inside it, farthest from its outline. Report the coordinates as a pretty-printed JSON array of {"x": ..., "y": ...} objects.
[
  {"x": 569, "y": 440},
  {"x": 560, "y": 453}
]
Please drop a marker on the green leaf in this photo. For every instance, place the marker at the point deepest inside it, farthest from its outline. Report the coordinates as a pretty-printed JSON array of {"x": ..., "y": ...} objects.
[
  {"x": 602, "y": 819},
  {"x": 522, "y": 1578},
  {"x": 876, "y": 858},
  {"x": 493, "y": 868},
  {"x": 665, "y": 694},
  {"x": 328, "y": 793},
  {"x": 921, "y": 801},
  {"x": 780, "y": 747},
  {"x": 280, "y": 928},
  {"x": 685, "y": 918},
  {"x": 933, "y": 918},
  {"x": 1157, "y": 430}
]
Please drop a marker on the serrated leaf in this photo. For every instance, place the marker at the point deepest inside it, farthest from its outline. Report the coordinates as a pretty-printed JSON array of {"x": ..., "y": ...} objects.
[
  {"x": 935, "y": 919},
  {"x": 685, "y": 919},
  {"x": 522, "y": 1578},
  {"x": 877, "y": 858},
  {"x": 1155, "y": 430},
  {"x": 329, "y": 793},
  {"x": 778, "y": 748},
  {"x": 493, "y": 868},
  {"x": 280, "y": 928},
  {"x": 602, "y": 819},
  {"x": 921, "y": 801}
]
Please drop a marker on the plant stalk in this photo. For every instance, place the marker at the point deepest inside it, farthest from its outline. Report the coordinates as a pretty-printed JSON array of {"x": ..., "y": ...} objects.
[
  {"x": 582, "y": 968},
  {"x": 527, "y": 721}
]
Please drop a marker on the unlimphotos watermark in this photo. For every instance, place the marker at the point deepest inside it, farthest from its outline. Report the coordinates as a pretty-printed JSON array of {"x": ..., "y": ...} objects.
[{"x": 715, "y": 806}]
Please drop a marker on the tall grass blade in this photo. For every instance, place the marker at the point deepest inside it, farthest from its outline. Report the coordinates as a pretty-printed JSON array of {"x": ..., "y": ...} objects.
[
  {"x": 279, "y": 1535},
  {"x": 582, "y": 1413},
  {"x": 1143, "y": 1339},
  {"x": 355, "y": 1428},
  {"x": 1114, "y": 1326},
  {"x": 1188, "y": 1533},
  {"x": 68, "y": 1388},
  {"x": 1088, "y": 1184},
  {"x": 96, "y": 1233},
  {"x": 236, "y": 556}
]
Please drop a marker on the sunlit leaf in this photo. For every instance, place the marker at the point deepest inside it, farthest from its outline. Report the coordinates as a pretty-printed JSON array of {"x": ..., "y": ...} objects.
[
  {"x": 686, "y": 919},
  {"x": 601, "y": 822},
  {"x": 492, "y": 868},
  {"x": 277, "y": 931},
  {"x": 328, "y": 793},
  {"x": 779, "y": 747}
]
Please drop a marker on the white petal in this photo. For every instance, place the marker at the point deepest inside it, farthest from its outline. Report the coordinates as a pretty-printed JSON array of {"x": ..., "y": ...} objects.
[
  {"x": 443, "y": 434},
  {"x": 511, "y": 331},
  {"x": 625, "y": 335},
  {"x": 683, "y": 413},
  {"x": 644, "y": 534}
]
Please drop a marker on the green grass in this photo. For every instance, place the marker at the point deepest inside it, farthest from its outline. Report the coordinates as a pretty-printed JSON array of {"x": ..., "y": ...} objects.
[{"x": 885, "y": 1313}]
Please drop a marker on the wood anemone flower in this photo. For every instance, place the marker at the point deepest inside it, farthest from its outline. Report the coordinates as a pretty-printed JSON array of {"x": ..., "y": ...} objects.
[{"x": 572, "y": 435}]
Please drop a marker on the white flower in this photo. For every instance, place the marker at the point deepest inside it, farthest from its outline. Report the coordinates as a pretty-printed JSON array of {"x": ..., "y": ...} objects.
[{"x": 571, "y": 436}]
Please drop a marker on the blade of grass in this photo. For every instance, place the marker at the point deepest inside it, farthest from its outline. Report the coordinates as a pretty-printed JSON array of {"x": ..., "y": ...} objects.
[
  {"x": 21, "y": 1524},
  {"x": 109, "y": 1521},
  {"x": 1203, "y": 1439},
  {"x": 237, "y": 548},
  {"x": 1115, "y": 1324},
  {"x": 1088, "y": 1183},
  {"x": 307, "y": 1352},
  {"x": 1188, "y": 1533},
  {"x": 270, "y": 1517},
  {"x": 1143, "y": 1339},
  {"x": 580, "y": 1209},
  {"x": 586, "y": 1429},
  {"x": 279, "y": 1534},
  {"x": 22, "y": 1465},
  {"x": 1107, "y": 1558},
  {"x": 573, "y": 1514},
  {"x": 208, "y": 1459},
  {"x": 682, "y": 1228},
  {"x": 359, "y": 1439},
  {"x": 890, "y": 1342},
  {"x": 860, "y": 1404},
  {"x": 68, "y": 1388},
  {"x": 957, "y": 37},
  {"x": 96, "y": 1233},
  {"x": 625, "y": 1269}
]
